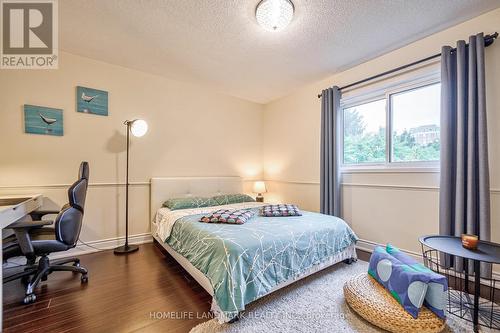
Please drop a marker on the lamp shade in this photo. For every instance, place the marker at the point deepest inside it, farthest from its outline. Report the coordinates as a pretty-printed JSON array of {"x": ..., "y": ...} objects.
[
  {"x": 259, "y": 187},
  {"x": 139, "y": 127}
]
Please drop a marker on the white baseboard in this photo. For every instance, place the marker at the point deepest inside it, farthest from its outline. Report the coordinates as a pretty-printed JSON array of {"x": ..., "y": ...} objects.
[
  {"x": 369, "y": 246},
  {"x": 102, "y": 245},
  {"x": 95, "y": 246}
]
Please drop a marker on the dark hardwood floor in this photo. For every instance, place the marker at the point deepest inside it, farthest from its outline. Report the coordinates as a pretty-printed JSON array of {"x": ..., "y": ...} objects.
[
  {"x": 124, "y": 294},
  {"x": 145, "y": 291}
]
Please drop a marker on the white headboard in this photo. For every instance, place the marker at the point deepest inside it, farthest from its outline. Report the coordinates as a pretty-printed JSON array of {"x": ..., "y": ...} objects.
[{"x": 177, "y": 187}]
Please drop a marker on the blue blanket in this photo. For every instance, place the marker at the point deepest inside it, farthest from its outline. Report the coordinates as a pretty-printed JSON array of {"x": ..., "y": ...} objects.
[{"x": 245, "y": 262}]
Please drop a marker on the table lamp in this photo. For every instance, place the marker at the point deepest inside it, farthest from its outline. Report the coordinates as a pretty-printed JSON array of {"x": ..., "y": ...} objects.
[
  {"x": 138, "y": 128},
  {"x": 259, "y": 187}
]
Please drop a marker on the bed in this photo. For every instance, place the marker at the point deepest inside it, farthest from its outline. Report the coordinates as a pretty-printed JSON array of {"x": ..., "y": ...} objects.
[{"x": 237, "y": 264}]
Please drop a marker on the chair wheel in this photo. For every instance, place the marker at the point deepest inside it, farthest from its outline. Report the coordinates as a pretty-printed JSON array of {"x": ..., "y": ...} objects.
[
  {"x": 44, "y": 278},
  {"x": 76, "y": 264},
  {"x": 31, "y": 298},
  {"x": 84, "y": 278}
]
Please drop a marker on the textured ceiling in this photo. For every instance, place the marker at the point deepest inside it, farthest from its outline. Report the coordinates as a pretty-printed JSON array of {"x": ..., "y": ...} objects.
[{"x": 218, "y": 42}]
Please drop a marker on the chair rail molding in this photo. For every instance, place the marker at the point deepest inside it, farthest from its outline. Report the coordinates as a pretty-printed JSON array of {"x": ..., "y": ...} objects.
[
  {"x": 372, "y": 185},
  {"x": 97, "y": 184},
  {"x": 56, "y": 186}
]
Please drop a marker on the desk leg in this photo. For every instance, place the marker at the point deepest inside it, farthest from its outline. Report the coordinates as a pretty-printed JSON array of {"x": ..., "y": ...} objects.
[{"x": 477, "y": 292}]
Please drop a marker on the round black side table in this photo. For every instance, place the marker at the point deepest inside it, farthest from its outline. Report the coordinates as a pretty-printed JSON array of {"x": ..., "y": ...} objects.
[{"x": 435, "y": 250}]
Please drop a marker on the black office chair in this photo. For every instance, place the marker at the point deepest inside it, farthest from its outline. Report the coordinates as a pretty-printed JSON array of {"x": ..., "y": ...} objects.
[
  {"x": 38, "y": 230},
  {"x": 83, "y": 173},
  {"x": 68, "y": 224}
]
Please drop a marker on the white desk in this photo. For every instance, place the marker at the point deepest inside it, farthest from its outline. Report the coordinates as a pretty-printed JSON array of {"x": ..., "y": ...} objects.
[{"x": 13, "y": 208}]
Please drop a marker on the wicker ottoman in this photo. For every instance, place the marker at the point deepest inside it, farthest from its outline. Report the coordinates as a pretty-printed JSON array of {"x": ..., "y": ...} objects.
[{"x": 372, "y": 302}]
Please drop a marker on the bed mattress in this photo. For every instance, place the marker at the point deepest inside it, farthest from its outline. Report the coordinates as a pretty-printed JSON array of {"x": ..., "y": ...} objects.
[{"x": 245, "y": 262}]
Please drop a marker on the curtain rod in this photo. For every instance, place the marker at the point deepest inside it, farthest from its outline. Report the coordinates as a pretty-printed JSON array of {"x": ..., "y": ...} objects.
[{"x": 488, "y": 40}]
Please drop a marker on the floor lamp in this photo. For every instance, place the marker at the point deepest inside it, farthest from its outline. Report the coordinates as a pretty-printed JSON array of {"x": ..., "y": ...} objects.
[{"x": 138, "y": 128}]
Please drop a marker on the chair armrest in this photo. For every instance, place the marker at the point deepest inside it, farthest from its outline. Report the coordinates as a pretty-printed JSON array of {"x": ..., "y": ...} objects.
[
  {"x": 29, "y": 224},
  {"x": 22, "y": 232},
  {"x": 38, "y": 214}
]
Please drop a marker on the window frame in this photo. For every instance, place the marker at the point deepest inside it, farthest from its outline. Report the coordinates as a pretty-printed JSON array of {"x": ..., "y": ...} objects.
[{"x": 385, "y": 92}]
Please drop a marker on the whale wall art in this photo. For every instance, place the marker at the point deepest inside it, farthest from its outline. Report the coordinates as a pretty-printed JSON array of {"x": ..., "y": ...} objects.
[
  {"x": 92, "y": 101},
  {"x": 42, "y": 120}
]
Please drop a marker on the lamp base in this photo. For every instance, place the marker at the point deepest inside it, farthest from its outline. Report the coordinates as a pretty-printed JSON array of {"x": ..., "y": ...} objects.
[
  {"x": 125, "y": 249},
  {"x": 259, "y": 198}
]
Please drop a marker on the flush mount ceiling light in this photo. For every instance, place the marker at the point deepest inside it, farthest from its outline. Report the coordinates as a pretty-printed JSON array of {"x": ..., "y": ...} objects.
[{"x": 274, "y": 15}]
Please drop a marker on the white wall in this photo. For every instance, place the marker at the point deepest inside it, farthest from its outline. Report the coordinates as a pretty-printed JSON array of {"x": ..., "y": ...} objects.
[
  {"x": 193, "y": 131},
  {"x": 381, "y": 207},
  {"x": 197, "y": 132}
]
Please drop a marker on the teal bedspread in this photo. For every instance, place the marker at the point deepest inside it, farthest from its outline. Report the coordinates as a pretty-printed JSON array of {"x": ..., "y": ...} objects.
[{"x": 244, "y": 262}]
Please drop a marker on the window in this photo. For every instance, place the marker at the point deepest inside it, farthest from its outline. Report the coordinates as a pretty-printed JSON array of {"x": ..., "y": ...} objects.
[
  {"x": 415, "y": 124},
  {"x": 400, "y": 127},
  {"x": 364, "y": 133}
]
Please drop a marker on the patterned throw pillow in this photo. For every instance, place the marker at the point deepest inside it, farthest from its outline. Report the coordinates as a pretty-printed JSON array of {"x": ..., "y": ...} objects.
[
  {"x": 280, "y": 210},
  {"x": 435, "y": 298},
  {"x": 238, "y": 216},
  {"x": 406, "y": 285},
  {"x": 189, "y": 202},
  {"x": 227, "y": 199}
]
